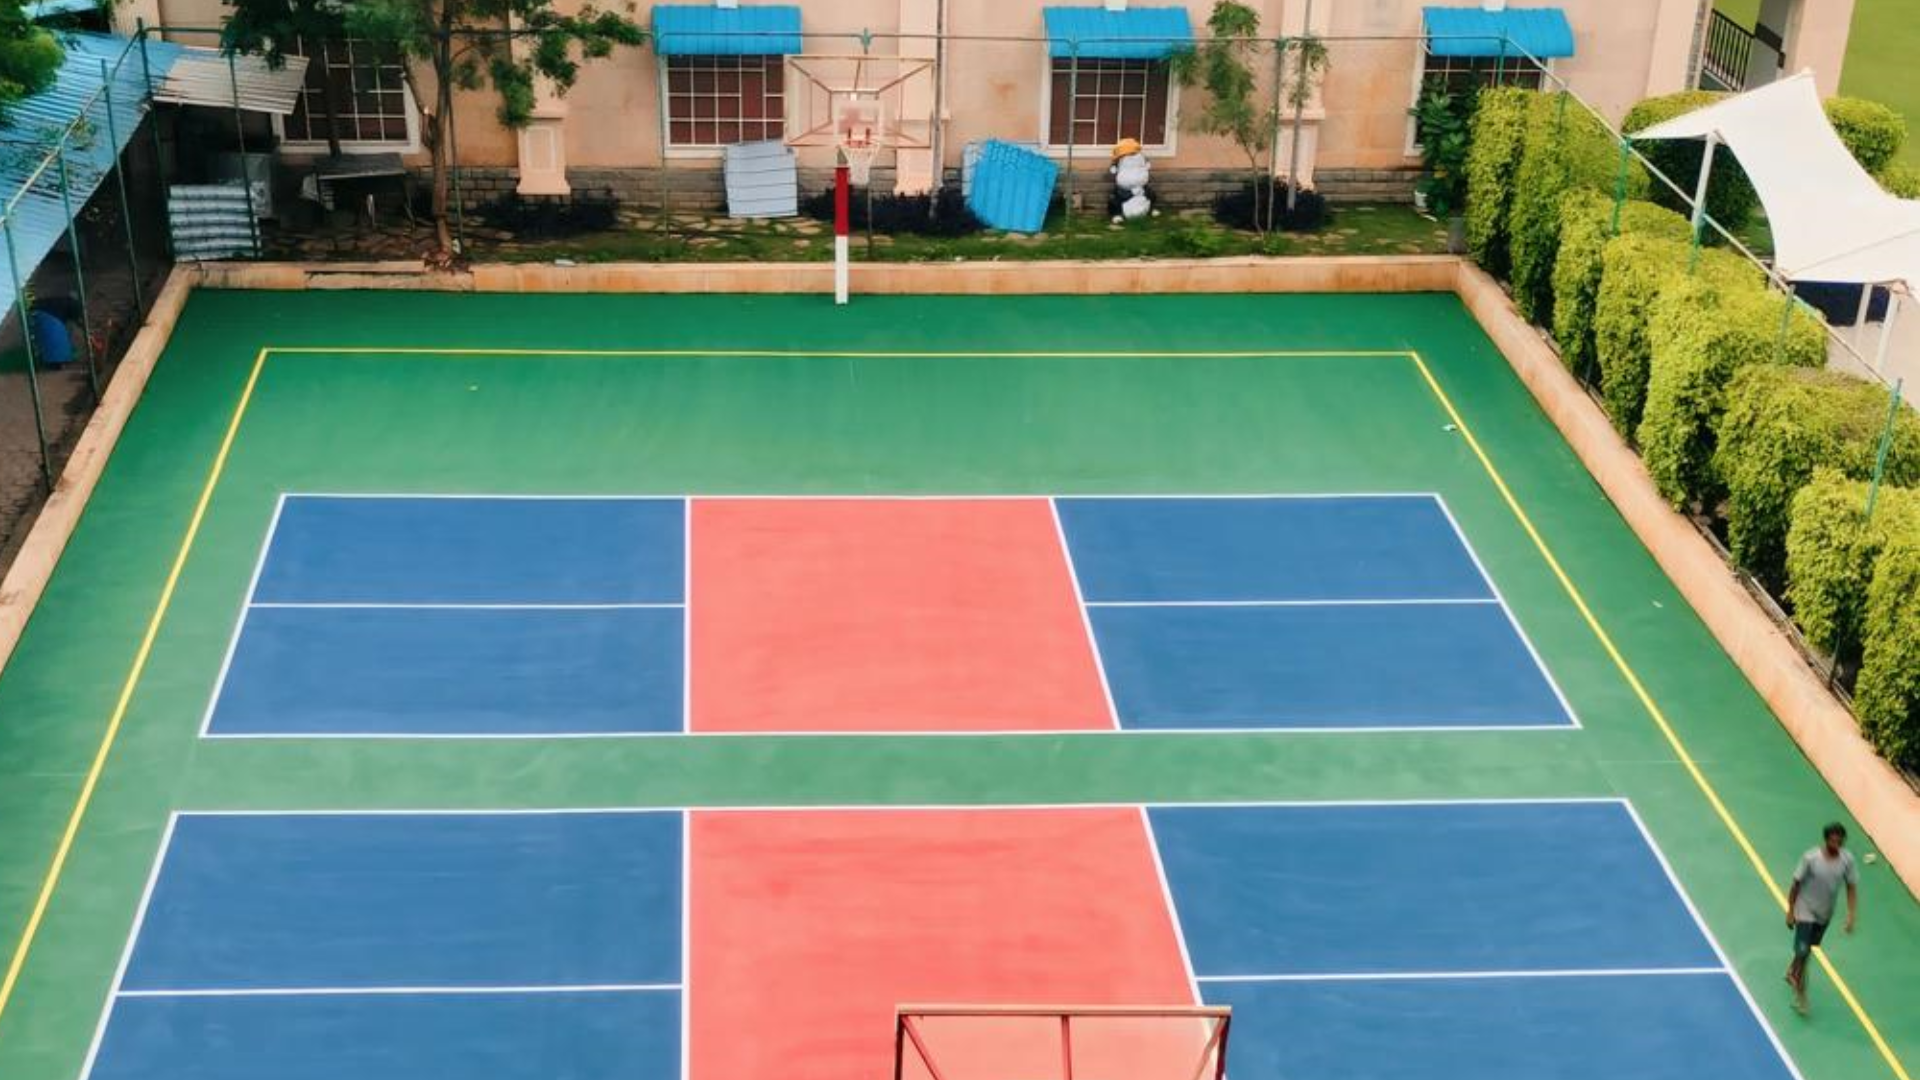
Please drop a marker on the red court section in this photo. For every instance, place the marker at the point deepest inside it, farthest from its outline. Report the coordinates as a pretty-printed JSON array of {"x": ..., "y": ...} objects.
[
  {"x": 887, "y": 615},
  {"x": 808, "y": 929}
]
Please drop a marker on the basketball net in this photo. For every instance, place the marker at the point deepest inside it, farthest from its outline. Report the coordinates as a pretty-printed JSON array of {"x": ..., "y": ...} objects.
[{"x": 856, "y": 128}]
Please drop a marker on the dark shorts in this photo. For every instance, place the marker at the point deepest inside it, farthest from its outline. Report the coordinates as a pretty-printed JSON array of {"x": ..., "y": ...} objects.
[{"x": 1806, "y": 935}]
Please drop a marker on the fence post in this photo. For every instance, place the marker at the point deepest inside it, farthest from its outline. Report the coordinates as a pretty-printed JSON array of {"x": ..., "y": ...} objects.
[
  {"x": 1886, "y": 448},
  {"x": 246, "y": 170},
  {"x": 1279, "y": 122},
  {"x": 146, "y": 83},
  {"x": 1073, "y": 120},
  {"x": 26, "y": 336},
  {"x": 1786, "y": 322},
  {"x": 453, "y": 174},
  {"x": 79, "y": 275},
  {"x": 1620, "y": 182},
  {"x": 126, "y": 206}
]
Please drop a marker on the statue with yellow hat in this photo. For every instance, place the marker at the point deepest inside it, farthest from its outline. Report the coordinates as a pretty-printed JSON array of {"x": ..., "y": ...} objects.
[{"x": 1132, "y": 199}]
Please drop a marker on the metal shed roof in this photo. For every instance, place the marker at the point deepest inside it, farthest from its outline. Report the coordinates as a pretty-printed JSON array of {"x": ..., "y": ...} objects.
[
  {"x": 747, "y": 30},
  {"x": 202, "y": 77}
]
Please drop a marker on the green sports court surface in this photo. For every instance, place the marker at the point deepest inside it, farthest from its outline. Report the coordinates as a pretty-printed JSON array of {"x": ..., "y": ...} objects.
[{"x": 667, "y": 688}]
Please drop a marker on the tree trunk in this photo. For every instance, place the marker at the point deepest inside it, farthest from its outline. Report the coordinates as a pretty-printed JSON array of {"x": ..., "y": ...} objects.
[
  {"x": 329, "y": 119},
  {"x": 442, "y": 117}
]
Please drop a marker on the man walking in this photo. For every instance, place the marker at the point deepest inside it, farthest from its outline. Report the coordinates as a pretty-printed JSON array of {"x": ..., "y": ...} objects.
[{"x": 1810, "y": 904}]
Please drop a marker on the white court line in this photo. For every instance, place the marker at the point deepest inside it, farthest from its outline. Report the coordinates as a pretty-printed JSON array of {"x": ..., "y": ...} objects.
[
  {"x": 1454, "y": 976},
  {"x": 1086, "y": 619},
  {"x": 686, "y": 943},
  {"x": 1173, "y": 909},
  {"x": 1512, "y": 619},
  {"x": 355, "y": 605},
  {"x": 789, "y": 496},
  {"x": 885, "y": 808},
  {"x": 1706, "y": 932},
  {"x": 1429, "y": 602},
  {"x": 829, "y": 733},
  {"x": 240, "y": 623},
  {"x": 399, "y": 991},
  {"x": 126, "y": 951},
  {"x": 686, "y": 630}
]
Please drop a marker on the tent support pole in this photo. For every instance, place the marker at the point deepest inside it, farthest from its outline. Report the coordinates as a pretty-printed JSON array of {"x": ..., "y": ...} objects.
[
  {"x": 1860, "y": 317},
  {"x": 1886, "y": 332},
  {"x": 1700, "y": 198},
  {"x": 1886, "y": 448}
]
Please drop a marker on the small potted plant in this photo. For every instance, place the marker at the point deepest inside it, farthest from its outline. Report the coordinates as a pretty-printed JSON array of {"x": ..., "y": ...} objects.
[{"x": 1444, "y": 120}]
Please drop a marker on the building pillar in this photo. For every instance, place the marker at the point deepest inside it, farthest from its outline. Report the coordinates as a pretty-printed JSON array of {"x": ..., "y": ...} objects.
[
  {"x": 913, "y": 170},
  {"x": 1815, "y": 33},
  {"x": 540, "y": 148}
]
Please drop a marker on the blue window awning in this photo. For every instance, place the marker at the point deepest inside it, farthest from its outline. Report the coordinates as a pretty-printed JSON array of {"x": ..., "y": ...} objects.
[
  {"x": 1541, "y": 32},
  {"x": 1094, "y": 33},
  {"x": 704, "y": 30}
]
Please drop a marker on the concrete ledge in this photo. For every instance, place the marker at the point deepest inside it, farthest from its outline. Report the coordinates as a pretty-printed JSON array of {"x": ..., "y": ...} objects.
[
  {"x": 1388, "y": 274},
  {"x": 33, "y": 567},
  {"x": 1827, "y": 733}
]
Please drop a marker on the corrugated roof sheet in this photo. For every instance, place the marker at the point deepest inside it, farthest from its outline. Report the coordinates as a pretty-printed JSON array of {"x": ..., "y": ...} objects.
[
  {"x": 201, "y": 77},
  {"x": 1012, "y": 187},
  {"x": 36, "y": 215},
  {"x": 763, "y": 180},
  {"x": 1138, "y": 33},
  {"x": 1541, "y": 32},
  {"x": 747, "y": 30}
]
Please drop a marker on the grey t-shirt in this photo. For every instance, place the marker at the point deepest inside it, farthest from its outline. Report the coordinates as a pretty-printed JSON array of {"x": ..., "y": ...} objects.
[{"x": 1819, "y": 878}]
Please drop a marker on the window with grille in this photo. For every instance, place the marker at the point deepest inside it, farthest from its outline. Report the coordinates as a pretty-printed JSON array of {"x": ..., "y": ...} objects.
[
  {"x": 1109, "y": 100},
  {"x": 1467, "y": 74},
  {"x": 368, "y": 99},
  {"x": 721, "y": 100}
]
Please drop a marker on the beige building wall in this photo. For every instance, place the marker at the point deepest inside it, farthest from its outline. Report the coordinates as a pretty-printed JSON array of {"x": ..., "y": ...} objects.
[{"x": 1625, "y": 50}]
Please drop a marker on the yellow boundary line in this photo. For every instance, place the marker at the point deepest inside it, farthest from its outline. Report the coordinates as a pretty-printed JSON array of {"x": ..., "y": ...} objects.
[
  {"x": 91, "y": 783},
  {"x": 1653, "y": 709}
]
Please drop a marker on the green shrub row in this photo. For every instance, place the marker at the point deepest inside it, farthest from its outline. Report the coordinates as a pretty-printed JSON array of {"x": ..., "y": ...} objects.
[
  {"x": 1832, "y": 549},
  {"x": 1587, "y": 223},
  {"x": 1499, "y": 130},
  {"x": 1565, "y": 149},
  {"x": 1886, "y": 697},
  {"x": 1780, "y": 425},
  {"x": 1704, "y": 330},
  {"x": 1634, "y": 268},
  {"x": 1875, "y": 133},
  {"x": 1853, "y": 580},
  {"x": 1901, "y": 179}
]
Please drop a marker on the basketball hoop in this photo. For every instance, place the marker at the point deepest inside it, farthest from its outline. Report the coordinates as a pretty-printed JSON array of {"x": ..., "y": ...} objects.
[{"x": 856, "y": 127}]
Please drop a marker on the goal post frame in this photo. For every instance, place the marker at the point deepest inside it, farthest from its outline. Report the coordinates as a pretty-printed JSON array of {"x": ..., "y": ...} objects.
[{"x": 1210, "y": 1059}]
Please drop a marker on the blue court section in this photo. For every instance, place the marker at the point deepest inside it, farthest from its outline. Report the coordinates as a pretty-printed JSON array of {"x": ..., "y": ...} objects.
[
  {"x": 1439, "y": 942},
  {"x": 460, "y": 550},
  {"x": 446, "y": 616},
  {"x": 392, "y": 947},
  {"x": 1318, "y": 548},
  {"x": 1427, "y": 665},
  {"x": 442, "y": 671},
  {"x": 1347, "y": 612}
]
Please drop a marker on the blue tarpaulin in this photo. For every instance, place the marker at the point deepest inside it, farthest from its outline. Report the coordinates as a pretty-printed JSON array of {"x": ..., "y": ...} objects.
[
  {"x": 1543, "y": 33},
  {"x": 1094, "y": 33},
  {"x": 704, "y": 30}
]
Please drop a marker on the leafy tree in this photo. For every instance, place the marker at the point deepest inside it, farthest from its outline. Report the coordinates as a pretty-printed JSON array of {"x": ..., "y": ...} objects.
[
  {"x": 270, "y": 27},
  {"x": 1223, "y": 66},
  {"x": 29, "y": 56},
  {"x": 471, "y": 44}
]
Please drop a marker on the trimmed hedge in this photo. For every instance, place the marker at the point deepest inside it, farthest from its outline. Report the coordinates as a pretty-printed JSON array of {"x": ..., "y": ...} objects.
[
  {"x": 1782, "y": 423},
  {"x": 1499, "y": 129},
  {"x": 1703, "y": 332},
  {"x": 1886, "y": 697},
  {"x": 1586, "y": 225},
  {"x": 1873, "y": 132},
  {"x": 1900, "y": 179},
  {"x": 1633, "y": 269},
  {"x": 1832, "y": 550},
  {"x": 1565, "y": 149},
  {"x": 1730, "y": 196}
]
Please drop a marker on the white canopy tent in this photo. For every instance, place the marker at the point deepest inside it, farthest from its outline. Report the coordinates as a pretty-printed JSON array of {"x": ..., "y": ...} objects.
[{"x": 1831, "y": 220}]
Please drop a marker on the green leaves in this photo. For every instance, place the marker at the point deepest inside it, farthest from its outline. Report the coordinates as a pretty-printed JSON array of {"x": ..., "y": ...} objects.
[{"x": 29, "y": 56}]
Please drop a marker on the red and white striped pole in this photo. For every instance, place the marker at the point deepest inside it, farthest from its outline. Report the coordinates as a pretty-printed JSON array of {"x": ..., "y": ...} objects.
[{"x": 842, "y": 212}]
